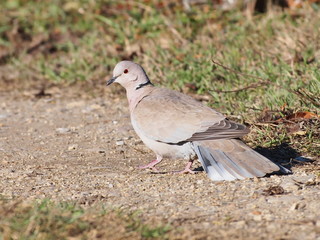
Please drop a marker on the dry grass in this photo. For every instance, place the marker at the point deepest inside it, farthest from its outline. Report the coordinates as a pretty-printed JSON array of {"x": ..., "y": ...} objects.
[
  {"x": 48, "y": 220},
  {"x": 80, "y": 42}
]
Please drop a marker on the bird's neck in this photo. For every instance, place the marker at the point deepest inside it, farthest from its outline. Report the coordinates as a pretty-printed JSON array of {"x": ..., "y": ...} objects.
[{"x": 135, "y": 95}]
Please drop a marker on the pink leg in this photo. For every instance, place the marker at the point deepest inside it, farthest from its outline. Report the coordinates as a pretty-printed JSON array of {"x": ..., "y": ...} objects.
[
  {"x": 187, "y": 169},
  {"x": 152, "y": 164}
]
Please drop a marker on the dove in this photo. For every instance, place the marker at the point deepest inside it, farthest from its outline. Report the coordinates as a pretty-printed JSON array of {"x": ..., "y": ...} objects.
[{"x": 176, "y": 126}]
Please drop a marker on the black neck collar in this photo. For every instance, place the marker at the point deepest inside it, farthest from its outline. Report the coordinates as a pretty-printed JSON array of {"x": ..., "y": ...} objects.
[{"x": 143, "y": 84}]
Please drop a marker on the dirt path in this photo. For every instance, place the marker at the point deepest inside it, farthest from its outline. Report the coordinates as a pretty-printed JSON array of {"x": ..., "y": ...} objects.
[{"x": 71, "y": 148}]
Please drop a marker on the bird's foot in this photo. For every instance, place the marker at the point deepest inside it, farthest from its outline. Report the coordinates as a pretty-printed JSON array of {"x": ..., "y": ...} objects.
[
  {"x": 187, "y": 169},
  {"x": 151, "y": 165}
]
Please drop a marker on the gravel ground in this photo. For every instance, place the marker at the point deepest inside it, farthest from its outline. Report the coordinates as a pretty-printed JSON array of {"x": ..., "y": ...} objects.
[{"x": 68, "y": 147}]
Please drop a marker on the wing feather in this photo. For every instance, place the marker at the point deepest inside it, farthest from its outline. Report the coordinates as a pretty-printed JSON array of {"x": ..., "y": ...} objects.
[{"x": 182, "y": 119}]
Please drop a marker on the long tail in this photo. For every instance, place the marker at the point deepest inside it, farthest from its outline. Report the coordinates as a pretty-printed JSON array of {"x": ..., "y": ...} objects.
[{"x": 231, "y": 159}]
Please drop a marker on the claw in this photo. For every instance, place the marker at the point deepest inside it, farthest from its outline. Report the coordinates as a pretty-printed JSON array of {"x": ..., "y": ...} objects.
[
  {"x": 152, "y": 164},
  {"x": 187, "y": 169}
]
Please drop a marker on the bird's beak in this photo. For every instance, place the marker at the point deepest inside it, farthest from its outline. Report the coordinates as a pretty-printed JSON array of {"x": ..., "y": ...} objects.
[{"x": 111, "y": 80}]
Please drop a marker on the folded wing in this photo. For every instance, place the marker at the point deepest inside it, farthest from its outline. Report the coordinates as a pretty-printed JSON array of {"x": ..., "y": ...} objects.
[{"x": 182, "y": 119}]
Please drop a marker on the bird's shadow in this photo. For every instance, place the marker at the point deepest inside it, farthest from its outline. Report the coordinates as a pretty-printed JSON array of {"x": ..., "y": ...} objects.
[{"x": 283, "y": 155}]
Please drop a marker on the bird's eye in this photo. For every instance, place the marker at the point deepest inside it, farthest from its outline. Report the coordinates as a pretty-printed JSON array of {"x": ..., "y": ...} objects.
[{"x": 125, "y": 71}]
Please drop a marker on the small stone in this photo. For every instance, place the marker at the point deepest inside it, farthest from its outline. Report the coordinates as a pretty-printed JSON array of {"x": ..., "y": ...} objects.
[
  {"x": 290, "y": 186},
  {"x": 269, "y": 217},
  {"x": 62, "y": 130},
  {"x": 239, "y": 224},
  {"x": 294, "y": 207},
  {"x": 200, "y": 182},
  {"x": 72, "y": 147},
  {"x": 304, "y": 179},
  {"x": 4, "y": 162},
  {"x": 119, "y": 143},
  {"x": 256, "y": 212},
  {"x": 95, "y": 106},
  {"x": 297, "y": 206},
  {"x": 257, "y": 218},
  {"x": 3, "y": 116},
  {"x": 256, "y": 180},
  {"x": 72, "y": 105}
]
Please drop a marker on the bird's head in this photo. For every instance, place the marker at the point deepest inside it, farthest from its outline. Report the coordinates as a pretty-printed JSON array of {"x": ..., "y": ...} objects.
[{"x": 129, "y": 75}]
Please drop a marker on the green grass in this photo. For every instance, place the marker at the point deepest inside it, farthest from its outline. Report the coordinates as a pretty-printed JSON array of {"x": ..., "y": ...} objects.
[
  {"x": 82, "y": 41},
  {"x": 83, "y": 37},
  {"x": 48, "y": 220}
]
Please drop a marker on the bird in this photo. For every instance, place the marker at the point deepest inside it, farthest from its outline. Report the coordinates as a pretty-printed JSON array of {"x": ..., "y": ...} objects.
[{"x": 176, "y": 126}]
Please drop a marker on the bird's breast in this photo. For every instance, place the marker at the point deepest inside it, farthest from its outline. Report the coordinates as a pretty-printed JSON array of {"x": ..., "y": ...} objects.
[{"x": 184, "y": 151}]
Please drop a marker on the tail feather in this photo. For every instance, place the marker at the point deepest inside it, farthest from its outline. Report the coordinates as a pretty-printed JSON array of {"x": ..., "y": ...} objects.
[
  {"x": 253, "y": 158},
  {"x": 232, "y": 159},
  {"x": 233, "y": 164},
  {"x": 213, "y": 167},
  {"x": 248, "y": 160}
]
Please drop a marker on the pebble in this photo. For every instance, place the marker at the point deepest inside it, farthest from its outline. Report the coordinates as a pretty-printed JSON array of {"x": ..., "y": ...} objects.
[
  {"x": 297, "y": 206},
  {"x": 72, "y": 147},
  {"x": 75, "y": 104},
  {"x": 4, "y": 162},
  {"x": 257, "y": 218},
  {"x": 119, "y": 143},
  {"x": 290, "y": 186},
  {"x": 200, "y": 182},
  {"x": 3, "y": 116},
  {"x": 95, "y": 106},
  {"x": 62, "y": 130},
  {"x": 239, "y": 224},
  {"x": 269, "y": 217},
  {"x": 304, "y": 179}
]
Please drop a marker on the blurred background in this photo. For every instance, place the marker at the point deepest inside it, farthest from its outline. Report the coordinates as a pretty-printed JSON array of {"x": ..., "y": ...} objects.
[
  {"x": 80, "y": 41},
  {"x": 60, "y": 42}
]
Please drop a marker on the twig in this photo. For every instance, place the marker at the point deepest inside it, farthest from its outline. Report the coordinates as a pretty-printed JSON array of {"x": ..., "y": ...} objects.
[
  {"x": 240, "y": 73},
  {"x": 254, "y": 85},
  {"x": 269, "y": 123},
  {"x": 173, "y": 30},
  {"x": 302, "y": 95},
  {"x": 37, "y": 42}
]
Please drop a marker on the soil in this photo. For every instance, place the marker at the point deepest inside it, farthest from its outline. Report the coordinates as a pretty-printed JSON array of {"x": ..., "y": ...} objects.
[{"x": 67, "y": 146}]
